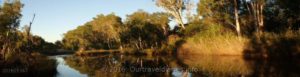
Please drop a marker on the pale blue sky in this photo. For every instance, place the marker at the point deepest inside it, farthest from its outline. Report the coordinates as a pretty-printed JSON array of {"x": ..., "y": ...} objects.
[{"x": 55, "y": 17}]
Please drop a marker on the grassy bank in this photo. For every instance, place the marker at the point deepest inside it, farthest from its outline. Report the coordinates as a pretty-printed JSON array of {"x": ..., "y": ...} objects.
[
  {"x": 213, "y": 40},
  {"x": 218, "y": 45}
]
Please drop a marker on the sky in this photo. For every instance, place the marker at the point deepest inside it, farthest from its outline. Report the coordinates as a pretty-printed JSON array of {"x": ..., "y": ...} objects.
[{"x": 56, "y": 17}]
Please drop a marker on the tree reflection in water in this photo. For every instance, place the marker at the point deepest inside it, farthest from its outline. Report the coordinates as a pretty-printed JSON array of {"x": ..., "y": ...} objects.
[
  {"x": 118, "y": 65},
  {"x": 275, "y": 68},
  {"x": 181, "y": 66}
]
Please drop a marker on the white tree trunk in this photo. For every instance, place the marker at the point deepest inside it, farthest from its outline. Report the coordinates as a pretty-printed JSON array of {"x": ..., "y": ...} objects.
[
  {"x": 237, "y": 23},
  {"x": 257, "y": 9}
]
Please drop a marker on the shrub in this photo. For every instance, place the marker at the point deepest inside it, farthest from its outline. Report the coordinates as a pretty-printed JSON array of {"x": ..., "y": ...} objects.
[{"x": 272, "y": 45}]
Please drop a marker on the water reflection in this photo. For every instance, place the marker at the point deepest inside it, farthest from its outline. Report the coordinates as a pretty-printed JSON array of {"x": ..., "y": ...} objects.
[
  {"x": 120, "y": 65},
  {"x": 181, "y": 66},
  {"x": 275, "y": 68},
  {"x": 24, "y": 65},
  {"x": 216, "y": 66},
  {"x": 65, "y": 71},
  {"x": 149, "y": 66}
]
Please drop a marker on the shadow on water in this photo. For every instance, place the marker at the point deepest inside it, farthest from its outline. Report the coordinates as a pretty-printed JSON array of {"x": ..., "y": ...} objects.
[
  {"x": 28, "y": 65},
  {"x": 236, "y": 66},
  {"x": 274, "y": 68}
]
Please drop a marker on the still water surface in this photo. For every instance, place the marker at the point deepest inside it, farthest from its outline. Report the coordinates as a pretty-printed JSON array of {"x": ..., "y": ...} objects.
[{"x": 118, "y": 65}]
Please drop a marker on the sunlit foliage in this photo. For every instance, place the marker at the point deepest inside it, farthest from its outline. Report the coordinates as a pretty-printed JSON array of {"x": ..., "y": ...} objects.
[
  {"x": 146, "y": 30},
  {"x": 141, "y": 30},
  {"x": 101, "y": 32}
]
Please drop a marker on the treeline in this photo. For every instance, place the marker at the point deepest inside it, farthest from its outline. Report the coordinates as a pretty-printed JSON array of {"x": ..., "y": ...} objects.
[
  {"x": 252, "y": 16},
  {"x": 232, "y": 25},
  {"x": 141, "y": 30}
]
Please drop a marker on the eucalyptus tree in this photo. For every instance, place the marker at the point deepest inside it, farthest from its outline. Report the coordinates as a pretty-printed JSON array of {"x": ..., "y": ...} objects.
[
  {"x": 79, "y": 38},
  {"x": 256, "y": 9},
  {"x": 175, "y": 8},
  {"x": 146, "y": 30},
  {"x": 232, "y": 14},
  {"x": 236, "y": 14},
  {"x": 216, "y": 12},
  {"x": 102, "y": 32},
  {"x": 10, "y": 14},
  {"x": 107, "y": 28}
]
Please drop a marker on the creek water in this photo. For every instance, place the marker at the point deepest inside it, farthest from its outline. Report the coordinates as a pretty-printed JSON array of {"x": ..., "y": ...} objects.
[{"x": 118, "y": 65}]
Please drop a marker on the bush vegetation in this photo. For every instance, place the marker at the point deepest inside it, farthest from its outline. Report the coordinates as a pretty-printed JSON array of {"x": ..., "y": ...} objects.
[
  {"x": 19, "y": 49},
  {"x": 220, "y": 27},
  {"x": 274, "y": 46}
]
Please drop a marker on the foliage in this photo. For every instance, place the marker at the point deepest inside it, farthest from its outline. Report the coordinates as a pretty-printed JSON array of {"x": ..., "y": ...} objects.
[
  {"x": 175, "y": 8},
  {"x": 14, "y": 41},
  {"x": 213, "y": 26},
  {"x": 274, "y": 46},
  {"x": 101, "y": 32},
  {"x": 10, "y": 13},
  {"x": 193, "y": 28},
  {"x": 108, "y": 28},
  {"x": 146, "y": 30},
  {"x": 79, "y": 37},
  {"x": 141, "y": 30}
]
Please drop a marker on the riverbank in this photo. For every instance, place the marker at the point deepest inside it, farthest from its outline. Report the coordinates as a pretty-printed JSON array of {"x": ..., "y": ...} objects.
[{"x": 267, "y": 45}]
